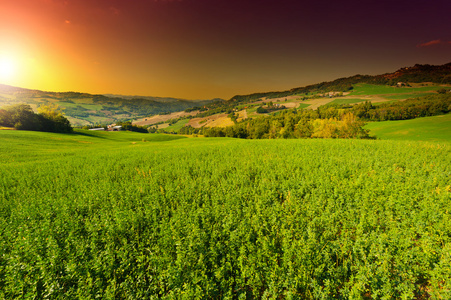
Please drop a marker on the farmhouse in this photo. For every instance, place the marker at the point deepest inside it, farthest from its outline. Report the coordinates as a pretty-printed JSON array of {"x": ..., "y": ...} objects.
[{"x": 114, "y": 128}]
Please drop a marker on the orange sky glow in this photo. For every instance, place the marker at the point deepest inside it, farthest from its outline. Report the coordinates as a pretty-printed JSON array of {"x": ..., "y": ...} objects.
[{"x": 201, "y": 49}]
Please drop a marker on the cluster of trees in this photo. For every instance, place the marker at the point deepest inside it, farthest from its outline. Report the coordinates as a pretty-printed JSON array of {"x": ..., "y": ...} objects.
[
  {"x": 130, "y": 127},
  {"x": 21, "y": 116},
  {"x": 422, "y": 73},
  {"x": 294, "y": 124},
  {"x": 402, "y": 110}
]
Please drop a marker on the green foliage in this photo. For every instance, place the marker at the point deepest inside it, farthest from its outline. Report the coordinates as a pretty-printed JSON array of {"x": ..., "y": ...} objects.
[
  {"x": 261, "y": 110},
  {"x": 104, "y": 215},
  {"x": 130, "y": 127}
]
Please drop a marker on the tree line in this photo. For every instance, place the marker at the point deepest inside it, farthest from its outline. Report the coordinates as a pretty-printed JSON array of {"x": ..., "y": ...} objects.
[{"x": 403, "y": 110}]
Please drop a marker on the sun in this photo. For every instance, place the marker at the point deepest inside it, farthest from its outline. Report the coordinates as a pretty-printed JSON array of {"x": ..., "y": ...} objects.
[{"x": 7, "y": 68}]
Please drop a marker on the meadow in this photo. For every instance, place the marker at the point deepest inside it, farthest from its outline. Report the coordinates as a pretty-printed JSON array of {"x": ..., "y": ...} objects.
[
  {"x": 433, "y": 129},
  {"x": 122, "y": 215},
  {"x": 374, "y": 89}
]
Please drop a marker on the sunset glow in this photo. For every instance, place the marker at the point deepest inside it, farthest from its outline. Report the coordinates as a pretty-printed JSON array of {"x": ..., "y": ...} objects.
[
  {"x": 7, "y": 69},
  {"x": 204, "y": 49}
]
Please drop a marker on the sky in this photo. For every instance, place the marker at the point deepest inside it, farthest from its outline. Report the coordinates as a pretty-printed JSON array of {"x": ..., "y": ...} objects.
[{"x": 203, "y": 49}]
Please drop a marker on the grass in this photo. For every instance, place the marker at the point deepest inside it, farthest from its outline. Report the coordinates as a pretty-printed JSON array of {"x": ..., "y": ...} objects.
[
  {"x": 117, "y": 215},
  {"x": 436, "y": 129},
  {"x": 347, "y": 101},
  {"x": 371, "y": 89},
  {"x": 302, "y": 105},
  {"x": 252, "y": 109},
  {"x": 177, "y": 126},
  {"x": 407, "y": 96},
  {"x": 88, "y": 106}
]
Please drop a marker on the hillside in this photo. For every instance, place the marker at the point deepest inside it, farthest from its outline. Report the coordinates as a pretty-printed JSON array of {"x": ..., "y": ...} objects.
[
  {"x": 87, "y": 109},
  {"x": 414, "y": 82},
  {"x": 433, "y": 129},
  {"x": 440, "y": 74}
]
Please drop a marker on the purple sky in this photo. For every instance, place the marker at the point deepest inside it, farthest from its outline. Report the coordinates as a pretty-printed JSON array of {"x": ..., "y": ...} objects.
[{"x": 215, "y": 48}]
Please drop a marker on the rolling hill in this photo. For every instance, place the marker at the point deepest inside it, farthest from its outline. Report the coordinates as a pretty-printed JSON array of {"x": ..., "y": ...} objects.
[
  {"x": 417, "y": 82},
  {"x": 87, "y": 109}
]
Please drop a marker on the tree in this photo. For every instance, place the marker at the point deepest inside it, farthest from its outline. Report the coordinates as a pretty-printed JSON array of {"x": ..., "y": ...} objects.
[
  {"x": 261, "y": 110},
  {"x": 20, "y": 116},
  {"x": 352, "y": 127},
  {"x": 52, "y": 119}
]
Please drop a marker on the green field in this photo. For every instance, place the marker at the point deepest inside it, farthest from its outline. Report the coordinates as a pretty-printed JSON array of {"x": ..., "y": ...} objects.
[
  {"x": 303, "y": 105},
  {"x": 407, "y": 96},
  {"x": 372, "y": 89},
  {"x": 176, "y": 127},
  {"x": 436, "y": 129},
  {"x": 121, "y": 215},
  {"x": 346, "y": 101}
]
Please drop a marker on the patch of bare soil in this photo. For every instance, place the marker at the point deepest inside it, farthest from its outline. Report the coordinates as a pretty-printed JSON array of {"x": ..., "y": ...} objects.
[
  {"x": 163, "y": 118},
  {"x": 315, "y": 103},
  {"x": 290, "y": 104},
  {"x": 200, "y": 122},
  {"x": 242, "y": 114},
  {"x": 221, "y": 122}
]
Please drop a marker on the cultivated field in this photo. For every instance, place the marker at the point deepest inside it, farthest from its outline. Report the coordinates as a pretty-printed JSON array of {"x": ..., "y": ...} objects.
[
  {"x": 163, "y": 118},
  {"x": 117, "y": 215}
]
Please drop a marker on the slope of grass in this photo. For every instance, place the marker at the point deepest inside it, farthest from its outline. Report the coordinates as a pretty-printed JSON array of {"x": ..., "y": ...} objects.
[
  {"x": 407, "y": 95},
  {"x": 303, "y": 105},
  {"x": 107, "y": 215},
  {"x": 372, "y": 89},
  {"x": 437, "y": 129},
  {"x": 176, "y": 127},
  {"x": 347, "y": 100}
]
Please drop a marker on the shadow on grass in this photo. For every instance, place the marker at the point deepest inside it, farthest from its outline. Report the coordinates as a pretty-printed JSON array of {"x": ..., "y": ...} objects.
[{"x": 86, "y": 133}]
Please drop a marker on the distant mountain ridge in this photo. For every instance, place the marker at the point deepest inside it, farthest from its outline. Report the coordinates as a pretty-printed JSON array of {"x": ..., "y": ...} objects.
[
  {"x": 440, "y": 74},
  {"x": 422, "y": 73}
]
